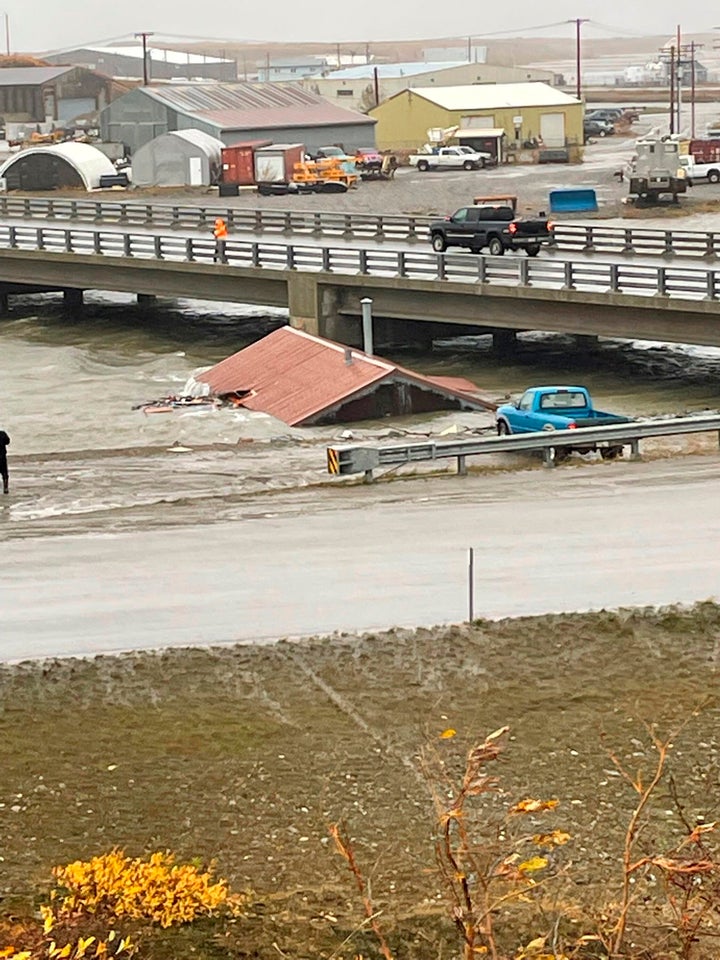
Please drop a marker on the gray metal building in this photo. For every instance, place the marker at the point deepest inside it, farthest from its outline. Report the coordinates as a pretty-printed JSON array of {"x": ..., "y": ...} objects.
[
  {"x": 127, "y": 61},
  {"x": 234, "y": 113},
  {"x": 32, "y": 97},
  {"x": 178, "y": 159}
]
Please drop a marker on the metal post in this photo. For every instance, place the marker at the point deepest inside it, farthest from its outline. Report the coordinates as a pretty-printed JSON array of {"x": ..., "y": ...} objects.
[
  {"x": 471, "y": 584},
  {"x": 692, "y": 89},
  {"x": 635, "y": 449},
  {"x": 679, "y": 79},
  {"x": 7, "y": 35},
  {"x": 367, "y": 325},
  {"x": 672, "y": 89},
  {"x": 144, "y": 37},
  {"x": 462, "y": 466}
]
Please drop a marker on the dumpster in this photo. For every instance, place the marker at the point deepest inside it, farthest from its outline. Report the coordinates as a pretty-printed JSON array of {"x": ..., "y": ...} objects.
[{"x": 573, "y": 200}]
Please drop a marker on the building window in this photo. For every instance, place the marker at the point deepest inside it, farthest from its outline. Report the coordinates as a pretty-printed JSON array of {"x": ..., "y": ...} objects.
[{"x": 343, "y": 93}]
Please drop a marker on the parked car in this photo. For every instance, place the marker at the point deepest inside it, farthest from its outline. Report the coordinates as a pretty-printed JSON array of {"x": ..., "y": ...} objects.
[
  {"x": 597, "y": 128},
  {"x": 491, "y": 222},
  {"x": 559, "y": 408},
  {"x": 324, "y": 153},
  {"x": 449, "y": 158},
  {"x": 612, "y": 114}
]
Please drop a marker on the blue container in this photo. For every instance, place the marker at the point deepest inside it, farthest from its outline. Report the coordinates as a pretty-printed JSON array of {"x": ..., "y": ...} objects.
[{"x": 573, "y": 200}]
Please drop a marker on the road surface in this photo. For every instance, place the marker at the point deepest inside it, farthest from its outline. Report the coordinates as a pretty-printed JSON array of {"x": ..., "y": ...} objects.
[{"x": 366, "y": 558}]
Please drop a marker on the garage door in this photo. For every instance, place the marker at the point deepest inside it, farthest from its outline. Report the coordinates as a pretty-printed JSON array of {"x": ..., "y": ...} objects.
[{"x": 552, "y": 129}]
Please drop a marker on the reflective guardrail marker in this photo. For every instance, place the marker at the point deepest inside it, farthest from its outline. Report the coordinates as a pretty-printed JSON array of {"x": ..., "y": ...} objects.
[{"x": 333, "y": 461}]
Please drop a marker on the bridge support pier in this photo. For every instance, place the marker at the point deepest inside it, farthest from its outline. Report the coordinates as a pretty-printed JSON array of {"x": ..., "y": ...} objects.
[
  {"x": 504, "y": 343},
  {"x": 73, "y": 299}
]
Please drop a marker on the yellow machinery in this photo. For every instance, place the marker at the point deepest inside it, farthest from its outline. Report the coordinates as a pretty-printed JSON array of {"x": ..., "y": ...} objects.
[{"x": 324, "y": 173}]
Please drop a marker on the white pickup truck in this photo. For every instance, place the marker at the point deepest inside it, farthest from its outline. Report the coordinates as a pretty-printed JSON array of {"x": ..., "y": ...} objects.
[
  {"x": 449, "y": 158},
  {"x": 695, "y": 170}
]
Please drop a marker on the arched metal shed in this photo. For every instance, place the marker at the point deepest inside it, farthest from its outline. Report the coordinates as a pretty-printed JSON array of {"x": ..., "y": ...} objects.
[
  {"x": 56, "y": 165},
  {"x": 177, "y": 159}
]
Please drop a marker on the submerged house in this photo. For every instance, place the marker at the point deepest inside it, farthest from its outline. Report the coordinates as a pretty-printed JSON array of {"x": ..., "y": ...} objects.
[{"x": 305, "y": 380}]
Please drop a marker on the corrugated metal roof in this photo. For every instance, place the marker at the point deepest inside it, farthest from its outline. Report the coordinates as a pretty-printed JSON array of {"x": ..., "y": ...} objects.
[
  {"x": 239, "y": 106},
  {"x": 297, "y": 377},
  {"x": 30, "y": 76},
  {"x": 211, "y": 146},
  {"x": 495, "y": 96},
  {"x": 389, "y": 71}
]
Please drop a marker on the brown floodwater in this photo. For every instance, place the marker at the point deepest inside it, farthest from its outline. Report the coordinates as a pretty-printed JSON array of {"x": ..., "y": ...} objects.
[{"x": 83, "y": 460}]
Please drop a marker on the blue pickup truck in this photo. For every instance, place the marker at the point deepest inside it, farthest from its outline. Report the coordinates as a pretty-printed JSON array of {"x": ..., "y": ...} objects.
[{"x": 558, "y": 408}]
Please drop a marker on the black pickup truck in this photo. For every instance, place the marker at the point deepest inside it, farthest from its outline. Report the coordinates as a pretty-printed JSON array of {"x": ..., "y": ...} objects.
[{"x": 491, "y": 222}]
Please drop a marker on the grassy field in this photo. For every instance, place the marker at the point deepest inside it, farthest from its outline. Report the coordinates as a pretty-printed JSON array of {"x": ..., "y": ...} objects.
[{"x": 245, "y": 755}]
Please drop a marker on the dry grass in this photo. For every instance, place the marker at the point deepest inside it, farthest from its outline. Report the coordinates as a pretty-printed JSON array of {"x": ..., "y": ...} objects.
[{"x": 247, "y": 754}]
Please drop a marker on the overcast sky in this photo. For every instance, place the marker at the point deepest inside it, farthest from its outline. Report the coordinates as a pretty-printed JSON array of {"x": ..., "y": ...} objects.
[{"x": 39, "y": 25}]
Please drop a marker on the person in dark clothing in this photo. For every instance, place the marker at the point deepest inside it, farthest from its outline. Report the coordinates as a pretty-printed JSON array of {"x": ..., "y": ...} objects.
[{"x": 4, "y": 442}]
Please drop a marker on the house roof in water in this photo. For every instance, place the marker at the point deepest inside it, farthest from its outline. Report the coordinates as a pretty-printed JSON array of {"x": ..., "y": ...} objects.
[
  {"x": 299, "y": 378},
  {"x": 252, "y": 106}
]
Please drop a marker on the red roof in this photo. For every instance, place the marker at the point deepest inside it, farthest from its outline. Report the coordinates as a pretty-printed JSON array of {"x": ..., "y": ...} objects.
[{"x": 296, "y": 377}]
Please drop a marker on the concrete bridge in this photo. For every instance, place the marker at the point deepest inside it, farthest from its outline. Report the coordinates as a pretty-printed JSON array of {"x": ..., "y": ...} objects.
[{"x": 322, "y": 285}]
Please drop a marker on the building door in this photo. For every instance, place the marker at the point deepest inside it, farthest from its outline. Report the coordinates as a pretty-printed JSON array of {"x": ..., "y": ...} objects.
[
  {"x": 195, "y": 172},
  {"x": 552, "y": 129}
]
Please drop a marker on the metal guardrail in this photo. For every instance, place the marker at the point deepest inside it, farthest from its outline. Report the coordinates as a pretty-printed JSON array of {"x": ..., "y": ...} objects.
[
  {"x": 348, "y": 460},
  {"x": 643, "y": 280},
  {"x": 587, "y": 238}
]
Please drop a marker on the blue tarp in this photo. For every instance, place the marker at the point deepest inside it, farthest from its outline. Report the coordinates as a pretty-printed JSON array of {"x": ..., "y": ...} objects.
[{"x": 573, "y": 199}]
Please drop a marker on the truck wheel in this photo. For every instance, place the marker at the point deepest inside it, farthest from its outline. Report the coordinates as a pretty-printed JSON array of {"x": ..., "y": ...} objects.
[
  {"x": 438, "y": 243},
  {"x": 469, "y": 165},
  {"x": 503, "y": 429},
  {"x": 714, "y": 176},
  {"x": 533, "y": 250},
  {"x": 495, "y": 247},
  {"x": 422, "y": 166}
]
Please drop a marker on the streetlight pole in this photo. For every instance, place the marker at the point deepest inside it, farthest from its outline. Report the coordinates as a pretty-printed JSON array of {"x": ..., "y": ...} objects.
[
  {"x": 144, "y": 36},
  {"x": 7, "y": 34},
  {"x": 578, "y": 21}
]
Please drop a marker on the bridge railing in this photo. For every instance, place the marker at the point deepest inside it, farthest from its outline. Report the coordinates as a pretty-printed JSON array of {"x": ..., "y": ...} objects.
[
  {"x": 594, "y": 237},
  {"x": 675, "y": 282}
]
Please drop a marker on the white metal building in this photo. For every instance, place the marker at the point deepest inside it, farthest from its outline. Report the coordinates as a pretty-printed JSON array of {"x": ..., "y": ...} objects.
[
  {"x": 56, "y": 165},
  {"x": 177, "y": 159}
]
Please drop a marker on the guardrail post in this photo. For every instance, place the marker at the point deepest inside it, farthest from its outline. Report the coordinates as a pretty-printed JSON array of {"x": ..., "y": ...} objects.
[
  {"x": 363, "y": 263},
  {"x": 27, "y": 210},
  {"x": 412, "y": 233},
  {"x": 368, "y": 478},
  {"x": 98, "y": 211},
  {"x": 68, "y": 241},
  {"x": 662, "y": 281},
  {"x": 97, "y": 245},
  {"x": 290, "y": 257},
  {"x": 317, "y": 223},
  {"x": 524, "y": 265},
  {"x": 189, "y": 250},
  {"x": 709, "y": 244},
  {"x": 710, "y": 285},
  {"x": 461, "y": 466},
  {"x": 380, "y": 228},
  {"x": 589, "y": 238},
  {"x": 73, "y": 209},
  {"x": 401, "y": 265},
  {"x": 175, "y": 215},
  {"x": 628, "y": 248},
  {"x": 482, "y": 270},
  {"x": 668, "y": 249},
  {"x": 548, "y": 457},
  {"x": 40, "y": 238},
  {"x": 123, "y": 218},
  {"x": 50, "y": 212},
  {"x": 287, "y": 222},
  {"x": 258, "y": 221},
  {"x": 256, "y": 255},
  {"x": 157, "y": 247},
  {"x": 149, "y": 212},
  {"x": 635, "y": 449},
  {"x": 127, "y": 245},
  {"x": 326, "y": 259},
  {"x": 347, "y": 225},
  {"x": 568, "y": 276},
  {"x": 441, "y": 266},
  {"x": 614, "y": 277}
]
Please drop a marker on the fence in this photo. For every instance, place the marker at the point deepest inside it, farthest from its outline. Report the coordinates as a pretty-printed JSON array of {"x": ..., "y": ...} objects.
[
  {"x": 348, "y": 460},
  {"x": 592, "y": 237}
]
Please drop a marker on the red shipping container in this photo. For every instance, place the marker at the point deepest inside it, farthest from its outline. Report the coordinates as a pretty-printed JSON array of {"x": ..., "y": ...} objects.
[
  {"x": 238, "y": 166},
  {"x": 705, "y": 151},
  {"x": 276, "y": 164}
]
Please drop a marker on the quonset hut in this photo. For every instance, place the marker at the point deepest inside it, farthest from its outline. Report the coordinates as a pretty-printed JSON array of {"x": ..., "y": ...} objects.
[
  {"x": 177, "y": 159},
  {"x": 56, "y": 165}
]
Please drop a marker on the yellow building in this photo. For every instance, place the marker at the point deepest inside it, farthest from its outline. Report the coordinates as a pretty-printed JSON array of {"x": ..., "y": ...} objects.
[{"x": 529, "y": 113}]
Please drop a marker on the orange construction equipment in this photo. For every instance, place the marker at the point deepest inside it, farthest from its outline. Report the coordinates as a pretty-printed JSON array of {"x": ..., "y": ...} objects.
[{"x": 320, "y": 172}]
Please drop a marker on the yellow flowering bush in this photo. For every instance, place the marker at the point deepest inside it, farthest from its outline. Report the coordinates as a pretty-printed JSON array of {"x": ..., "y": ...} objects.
[
  {"x": 158, "y": 889},
  {"x": 91, "y": 896}
]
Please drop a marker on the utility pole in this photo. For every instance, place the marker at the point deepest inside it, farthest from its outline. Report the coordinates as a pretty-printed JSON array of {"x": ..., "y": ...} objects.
[
  {"x": 7, "y": 34},
  {"x": 578, "y": 21},
  {"x": 144, "y": 37},
  {"x": 679, "y": 77},
  {"x": 672, "y": 89},
  {"x": 692, "y": 89}
]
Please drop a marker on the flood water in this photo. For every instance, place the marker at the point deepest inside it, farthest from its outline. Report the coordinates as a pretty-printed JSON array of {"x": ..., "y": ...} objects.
[{"x": 82, "y": 460}]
